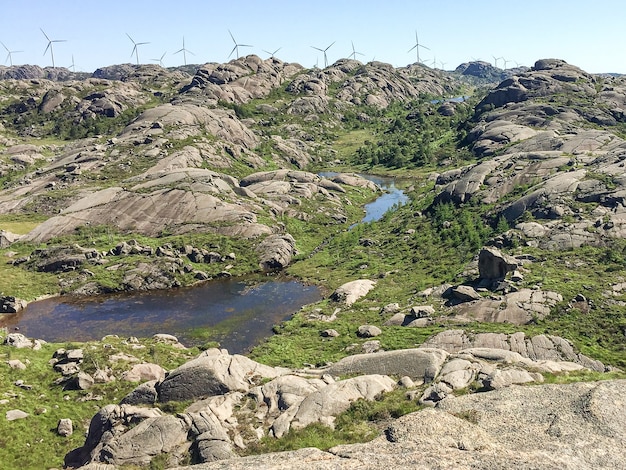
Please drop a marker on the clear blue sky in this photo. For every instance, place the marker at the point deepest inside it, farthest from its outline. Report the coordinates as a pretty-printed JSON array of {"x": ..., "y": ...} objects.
[{"x": 587, "y": 34}]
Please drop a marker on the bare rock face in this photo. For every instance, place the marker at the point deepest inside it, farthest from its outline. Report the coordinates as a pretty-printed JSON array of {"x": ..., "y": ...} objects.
[
  {"x": 328, "y": 402},
  {"x": 7, "y": 238},
  {"x": 550, "y": 426},
  {"x": 517, "y": 308}
]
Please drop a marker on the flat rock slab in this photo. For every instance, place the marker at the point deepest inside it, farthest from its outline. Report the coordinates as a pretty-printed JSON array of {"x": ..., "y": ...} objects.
[
  {"x": 12, "y": 415},
  {"x": 423, "y": 363},
  {"x": 352, "y": 291}
]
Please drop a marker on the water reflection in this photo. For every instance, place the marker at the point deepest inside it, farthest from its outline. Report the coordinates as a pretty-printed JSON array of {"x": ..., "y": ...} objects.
[{"x": 237, "y": 313}]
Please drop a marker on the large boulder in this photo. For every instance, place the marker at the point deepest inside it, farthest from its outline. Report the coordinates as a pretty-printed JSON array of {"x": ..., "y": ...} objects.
[
  {"x": 275, "y": 252},
  {"x": 351, "y": 291},
  {"x": 10, "y": 304},
  {"x": 214, "y": 372},
  {"x": 422, "y": 364},
  {"x": 494, "y": 265}
]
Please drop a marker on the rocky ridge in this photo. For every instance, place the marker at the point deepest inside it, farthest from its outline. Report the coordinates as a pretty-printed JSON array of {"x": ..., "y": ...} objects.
[
  {"x": 540, "y": 129},
  {"x": 236, "y": 400}
]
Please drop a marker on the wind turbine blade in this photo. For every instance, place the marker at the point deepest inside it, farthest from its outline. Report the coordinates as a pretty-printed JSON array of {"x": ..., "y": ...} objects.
[
  {"x": 231, "y": 52},
  {"x": 142, "y": 43},
  {"x": 232, "y": 37},
  {"x": 134, "y": 49},
  {"x": 48, "y": 47},
  {"x": 44, "y": 34},
  {"x": 245, "y": 45},
  {"x": 317, "y": 48},
  {"x": 131, "y": 39},
  {"x": 330, "y": 46},
  {"x": 189, "y": 52},
  {"x": 180, "y": 50},
  {"x": 7, "y": 49},
  {"x": 411, "y": 48},
  {"x": 427, "y": 48}
]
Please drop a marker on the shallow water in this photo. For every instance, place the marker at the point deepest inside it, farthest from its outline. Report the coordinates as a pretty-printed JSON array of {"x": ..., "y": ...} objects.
[
  {"x": 387, "y": 201},
  {"x": 237, "y": 313}
]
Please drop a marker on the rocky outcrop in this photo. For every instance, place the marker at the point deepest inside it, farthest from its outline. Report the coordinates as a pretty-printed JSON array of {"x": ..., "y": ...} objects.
[
  {"x": 536, "y": 348},
  {"x": 7, "y": 238},
  {"x": 214, "y": 372},
  {"x": 550, "y": 426}
]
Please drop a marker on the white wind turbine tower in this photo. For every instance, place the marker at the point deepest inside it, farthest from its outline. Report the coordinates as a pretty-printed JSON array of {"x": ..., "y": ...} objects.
[
  {"x": 237, "y": 46},
  {"x": 9, "y": 54},
  {"x": 417, "y": 48},
  {"x": 184, "y": 51},
  {"x": 49, "y": 46},
  {"x": 354, "y": 53},
  {"x": 324, "y": 51},
  {"x": 136, "y": 47}
]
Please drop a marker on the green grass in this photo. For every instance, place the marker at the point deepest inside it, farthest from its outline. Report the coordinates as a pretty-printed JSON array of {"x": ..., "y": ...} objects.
[
  {"x": 33, "y": 442},
  {"x": 20, "y": 224}
]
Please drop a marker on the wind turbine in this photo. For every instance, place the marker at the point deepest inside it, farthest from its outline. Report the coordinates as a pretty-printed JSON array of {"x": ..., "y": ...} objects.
[
  {"x": 237, "y": 46},
  {"x": 135, "y": 47},
  {"x": 324, "y": 51},
  {"x": 49, "y": 46},
  {"x": 505, "y": 62},
  {"x": 272, "y": 54},
  {"x": 443, "y": 65},
  {"x": 495, "y": 60},
  {"x": 184, "y": 51},
  {"x": 72, "y": 67},
  {"x": 160, "y": 61},
  {"x": 9, "y": 54},
  {"x": 417, "y": 48},
  {"x": 354, "y": 53}
]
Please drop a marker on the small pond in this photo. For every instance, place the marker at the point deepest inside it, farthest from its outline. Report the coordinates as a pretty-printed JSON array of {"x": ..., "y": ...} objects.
[{"x": 237, "y": 313}]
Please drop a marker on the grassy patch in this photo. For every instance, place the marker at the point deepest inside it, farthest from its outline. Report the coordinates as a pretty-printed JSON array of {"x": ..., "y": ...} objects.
[
  {"x": 20, "y": 224},
  {"x": 33, "y": 442}
]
